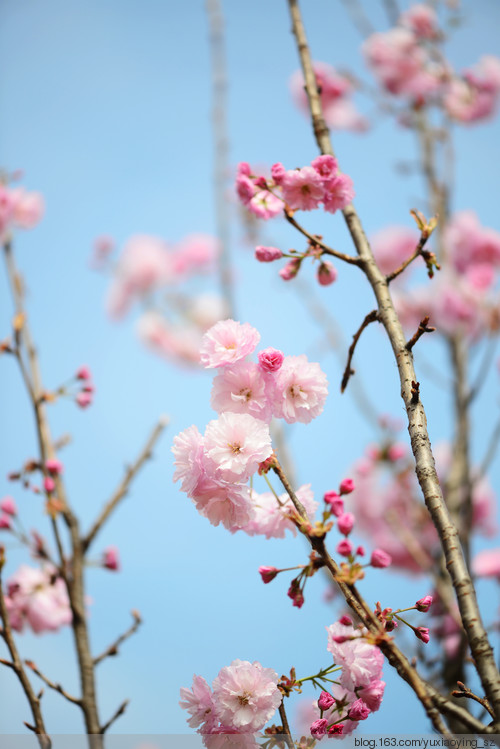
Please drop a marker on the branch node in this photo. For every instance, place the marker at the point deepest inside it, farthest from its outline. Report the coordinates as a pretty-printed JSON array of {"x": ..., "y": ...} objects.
[{"x": 422, "y": 328}]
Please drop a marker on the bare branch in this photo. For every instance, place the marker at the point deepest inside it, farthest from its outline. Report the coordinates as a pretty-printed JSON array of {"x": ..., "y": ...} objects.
[
  {"x": 115, "y": 716},
  {"x": 53, "y": 685},
  {"x": 113, "y": 648},
  {"x": 124, "y": 485},
  {"x": 286, "y": 728},
  {"x": 316, "y": 240},
  {"x": 371, "y": 317},
  {"x": 464, "y": 691},
  {"x": 422, "y": 328}
]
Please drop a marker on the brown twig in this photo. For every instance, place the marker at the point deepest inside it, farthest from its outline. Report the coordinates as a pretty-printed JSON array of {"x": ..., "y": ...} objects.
[
  {"x": 417, "y": 252},
  {"x": 53, "y": 685},
  {"x": 464, "y": 691},
  {"x": 481, "y": 649},
  {"x": 124, "y": 484},
  {"x": 113, "y": 648},
  {"x": 115, "y": 716},
  {"x": 370, "y": 317},
  {"x": 17, "y": 666},
  {"x": 422, "y": 328},
  {"x": 314, "y": 239},
  {"x": 286, "y": 728},
  {"x": 289, "y": 490}
]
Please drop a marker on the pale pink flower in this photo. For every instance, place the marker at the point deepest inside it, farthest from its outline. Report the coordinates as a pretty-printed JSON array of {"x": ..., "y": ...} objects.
[
  {"x": 469, "y": 244},
  {"x": 111, "y": 559},
  {"x": 265, "y": 205},
  {"x": 271, "y": 519},
  {"x": 361, "y": 662},
  {"x": 245, "y": 189},
  {"x": 339, "y": 192},
  {"x": 302, "y": 188},
  {"x": 223, "y": 502},
  {"x": 8, "y": 506},
  {"x": 372, "y": 694},
  {"x": 190, "y": 461},
  {"x": 242, "y": 388},
  {"x": 236, "y": 444},
  {"x": 198, "y": 701},
  {"x": 39, "y": 598},
  {"x": 227, "y": 342},
  {"x": 422, "y": 20},
  {"x": 179, "y": 342},
  {"x": 6, "y": 209},
  {"x": 27, "y": 208},
  {"x": 486, "y": 563},
  {"x": 467, "y": 103},
  {"x": 246, "y": 695},
  {"x": 270, "y": 360},
  {"x": 195, "y": 253},
  {"x": 301, "y": 390}
]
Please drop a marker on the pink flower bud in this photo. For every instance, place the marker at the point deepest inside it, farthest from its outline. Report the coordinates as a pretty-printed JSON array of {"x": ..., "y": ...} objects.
[
  {"x": 337, "y": 729},
  {"x": 270, "y": 359},
  {"x": 345, "y": 523},
  {"x": 8, "y": 505},
  {"x": 360, "y": 551},
  {"x": 5, "y": 522},
  {"x": 345, "y": 620},
  {"x": 83, "y": 399},
  {"x": 423, "y": 604},
  {"x": 380, "y": 558},
  {"x": 422, "y": 633},
  {"x": 344, "y": 547},
  {"x": 336, "y": 503},
  {"x": 319, "y": 728},
  {"x": 395, "y": 452},
  {"x": 359, "y": 711},
  {"x": 291, "y": 269},
  {"x": 88, "y": 388},
  {"x": 325, "y": 701},
  {"x": 267, "y": 254},
  {"x": 83, "y": 373},
  {"x": 295, "y": 593},
  {"x": 261, "y": 182},
  {"x": 347, "y": 486},
  {"x": 244, "y": 168},
  {"x": 55, "y": 467},
  {"x": 268, "y": 573},
  {"x": 327, "y": 274},
  {"x": 49, "y": 484},
  {"x": 278, "y": 171},
  {"x": 110, "y": 559}
]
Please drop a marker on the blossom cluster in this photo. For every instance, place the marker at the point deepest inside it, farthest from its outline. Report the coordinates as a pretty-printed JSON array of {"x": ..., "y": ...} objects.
[
  {"x": 243, "y": 697},
  {"x": 213, "y": 468},
  {"x": 19, "y": 209},
  {"x": 162, "y": 277},
  {"x": 297, "y": 189},
  {"x": 37, "y": 597}
]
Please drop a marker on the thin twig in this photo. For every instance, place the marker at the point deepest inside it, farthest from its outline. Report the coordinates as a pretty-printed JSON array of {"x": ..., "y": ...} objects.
[
  {"x": 316, "y": 240},
  {"x": 422, "y": 328},
  {"x": 124, "y": 484},
  {"x": 53, "y": 685},
  {"x": 288, "y": 488},
  {"x": 418, "y": 251},
  {"x": 370, "y": 317},
  {"x": 286, "y": 728},
  {"x": 115, "y": 716},
  {"x": 464, "y": 691},
  {"x": 113, "y": 648},
  {"x": 481, "y": 649}
]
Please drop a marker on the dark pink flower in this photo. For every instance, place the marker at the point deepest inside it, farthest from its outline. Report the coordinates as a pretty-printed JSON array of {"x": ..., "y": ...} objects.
[
  {"x": 346, "y": 486},
  {"x": 319, "y": 728},
  {"x": 422, "y": 633},
  {"x": 270, "y": 359},
  {"x": 345, "y": 523},
  {"x": 325, "y": 701}
]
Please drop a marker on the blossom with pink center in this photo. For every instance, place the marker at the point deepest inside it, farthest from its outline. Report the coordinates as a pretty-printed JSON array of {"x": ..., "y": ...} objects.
[
  {"x": 39, "y": 598},
  {"x": 242, "y": 388},
  {"x": 302, "y": 188},
  {"x": 338, "y": 192},
  {"x": 198, "y": 701},
  {"x": 392, "y": 246},
  {"x": 111, "y": 559},
  {"x": 422, "y": 20},
  {"x": 223, "y": 502},
  {"x": 227, "y": 342},
  {"x": 8, "y": 506},
  {"x": 189, "y": 459},
  {"x": 236, "y": 444},
  {"x": 265, "y": 205},
  {"x": 267, "y": 254},
  {"x": 270, "y": 360},
  {"x": 327, "y": 273},
  {"x": 271, "y": 519},
  {"x": 361, "y": 662},
  {"x": 301, "y": 390},
  {"x": 487, "y": 563},
  {"x": 246, "y": 695}
]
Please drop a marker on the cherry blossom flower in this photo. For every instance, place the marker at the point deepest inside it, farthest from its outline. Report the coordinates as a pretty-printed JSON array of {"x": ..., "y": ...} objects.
[
  {"x": 301, "y": 390},
  {"x": 190, "y": 461},
  {"x": 270, "y": 360},
  {"x": 339, "y": 192},
  {"x": 246, "y": 695},
  {"x": 392, "y": 246},
  {"x": 199, "y": 703},
  {"x": 223, "y": 502},
  {"x": 39, "y": 598},
  {"x": 361, "y": 662},
  {"x": 422, "y": 20},
  {"x": 265, "y": 205},
  {"x": 8, "y": 506},
  {"x": 242, "y": 388},
  {"x": 236, "y": 444},
  {"x": 111, "y": 559},
  {"x": 271, "y": 519},
  {"x": 302, "y": 188},
  {"x": 267, "y": 254},
  {"x": 486, "y": 563},
  {"x": 227, "y": 342}
]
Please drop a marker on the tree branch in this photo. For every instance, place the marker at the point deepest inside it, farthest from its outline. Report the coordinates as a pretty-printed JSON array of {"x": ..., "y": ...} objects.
[
  {"x": 316, "y": 240},
  {"x": 115, "y": 716},
  {"x": 371, "y": 317},
  {"x": 53, "y": 685},
  {"x": 113, "y": 648}
]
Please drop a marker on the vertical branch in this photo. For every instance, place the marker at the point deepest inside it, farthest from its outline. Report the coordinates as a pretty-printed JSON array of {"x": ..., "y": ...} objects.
[
  {"x": 417, "y": 423},
  {"x": 221, "y": 149}
]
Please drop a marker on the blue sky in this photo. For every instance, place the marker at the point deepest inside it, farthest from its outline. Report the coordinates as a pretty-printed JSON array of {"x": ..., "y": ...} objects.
[{"x": 106, "y": 107}]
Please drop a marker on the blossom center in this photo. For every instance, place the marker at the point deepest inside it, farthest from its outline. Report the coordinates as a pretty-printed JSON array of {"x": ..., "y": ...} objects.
[
  {"x": 244, "y": 698},
  {"x": 234, "y": 447}
]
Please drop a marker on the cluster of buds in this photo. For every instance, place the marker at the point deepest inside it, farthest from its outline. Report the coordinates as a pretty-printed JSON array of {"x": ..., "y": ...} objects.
[
  {"x": 390, "y": 619},
  {"x": 80, "y": 388},
  {"x": 326, "y": 273}
]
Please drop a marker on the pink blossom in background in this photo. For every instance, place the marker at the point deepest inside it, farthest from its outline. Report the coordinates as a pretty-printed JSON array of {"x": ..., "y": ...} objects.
[
  {"x": 392, "y": 246},
  {"x": 487, "y": 563},
  {"x": 39, "y": 598},
  {"x": 5, "y": 522},
  {"x": 102, "y": 249},
  {"x": 470, "y": 245},
  {"x": 422, "y": 20},
  {"x": 195, "y": 253},
  {"x": 475, "y": 96},
  {"x": 271, "y": 519},
  {"x": 27, "y": 208},
  {"x": 227, "y": 342},
  {"x": 236, "y": 444},
  {"x": 242, "y": 388},
  {"x": 380, "y": 559},
  {"x": 301, "y": 390},
  {"x": 302, "y": 188},
  {"x": 246, "y": 695},
  {"x": 83, "y": 400},
  {"x": 8, "y": 506},
  {"x": 181, "y": 343}
]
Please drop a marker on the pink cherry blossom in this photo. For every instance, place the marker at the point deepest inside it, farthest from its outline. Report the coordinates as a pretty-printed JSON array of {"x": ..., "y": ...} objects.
[
  {"x": 326, "y": 166},
  {"x": 5, "y": 522},
  {"x": 422, "y": 633},
  {"x": 422, "y": 20},
  {"x": 346, "y": 486},
  {"x": 198, "y": 701},
  {"x": 318, "y": 728},
  {"x": 194, "y": 254},
  {"x": 39, "y": 598},
  {"x": 392, "y": 246},
  {"x": 344, "y": 547},
  {"x": 372, "y": 694},
  {"x": 361, "y": 662},
  {"x": 227, "y": 342},
  {"x": 345, "y": 523},
  {"x": 178, "y": 342},
  {"x": 246, "y": 695},
  {"x": 265, "y": 205},
  {"x": 49, "y": 484},
  {"x": 380, "y": 558},
  {"x": 268, "y": 573},
  {"x": 223, "y": 502},
  {"x": 301, "y": 390},
  {"x": 27, "y": 208},
  {"x": 486, "y": 563},
  {"x": 359, "y": 710},
  {"x": 290, "y": 270},
  {"x": 83, "y": 399},
  {"x": 236, "y": 444},
  {"x": 424, "y": 604},
  {"x": 190, "y": 461},
  {"x": 271, "y": 519},
  {"x": 475, "y": 97},
  {"x": 54, "y": 466},
  {"x": 270, "y": 360},
  {"x": 302, "y": 188},
  {"x": 242, "y": 388},
  {"x": 338, "y": 192}
]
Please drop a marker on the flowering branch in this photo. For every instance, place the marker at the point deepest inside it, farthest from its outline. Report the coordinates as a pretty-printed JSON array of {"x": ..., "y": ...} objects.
[
  {"x": 371, "y": 317},
  {"x": 477, "y": 637},
  {"x": 113, "y": 648},
  {"x": 316, "y": 240},
  {"x": 124, "y": 485}
]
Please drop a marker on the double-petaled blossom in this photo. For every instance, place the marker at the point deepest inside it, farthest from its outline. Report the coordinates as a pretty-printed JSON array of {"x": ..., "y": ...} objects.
[
  {"x": 361, "y": 662},
  {"x": 301, "y": 390},
  {"x": 227, "y": 342},
  {"x": 271, "y": 518},
  {"x": 243, "y": 388},
  {"x": 39, "y": 598}
]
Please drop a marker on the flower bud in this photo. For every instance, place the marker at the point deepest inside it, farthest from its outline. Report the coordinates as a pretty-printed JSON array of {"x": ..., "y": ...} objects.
[
  {"x": 345, "y": 523},
  {"x": 325, "y": 701},
  {"x": 423, "y": 604},
  {"x": 267, "y": 254},
  {"x": 380, "y": 558},
  {"x": 319, "y": 728},
  {"x": 344, "y": 547},
  {"x": 327, "y": 274},
  {"x": 347, "y": 486},
  {"x": 270, "y": 359},
  {"x": 268, "y": 573},
  {"x": 422, "y": 633}
]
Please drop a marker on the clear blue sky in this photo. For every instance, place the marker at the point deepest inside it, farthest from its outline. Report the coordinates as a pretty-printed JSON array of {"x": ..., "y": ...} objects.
[{"x": 105, "y": 106}]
